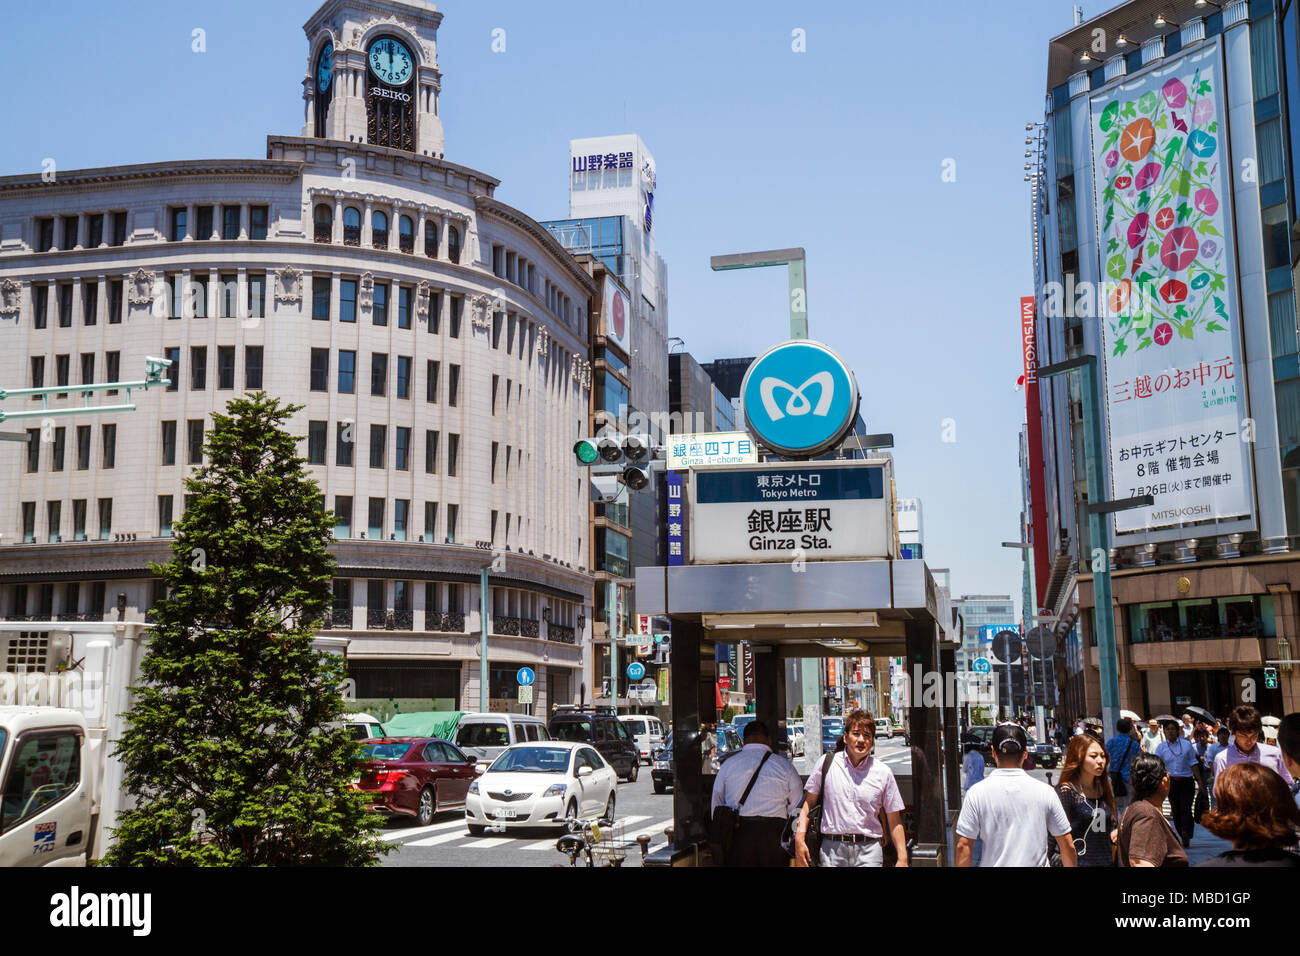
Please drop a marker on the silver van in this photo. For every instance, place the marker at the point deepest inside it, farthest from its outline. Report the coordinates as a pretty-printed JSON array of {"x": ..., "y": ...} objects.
[
  {"x": 647, "y": 733},
  {"x": 486, "y": 735}
]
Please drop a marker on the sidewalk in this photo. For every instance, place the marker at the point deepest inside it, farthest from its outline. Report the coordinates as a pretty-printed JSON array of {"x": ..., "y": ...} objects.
[{"x": 1205, "y": 845}]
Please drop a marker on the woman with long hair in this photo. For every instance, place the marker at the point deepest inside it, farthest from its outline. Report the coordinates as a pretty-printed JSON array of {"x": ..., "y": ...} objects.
[
  {"x": 1088, "y": 800},
  {"x": 1253, "y": 810}
]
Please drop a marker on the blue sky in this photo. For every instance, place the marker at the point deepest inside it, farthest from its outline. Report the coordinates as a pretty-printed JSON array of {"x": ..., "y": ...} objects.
[{"x": 839, "y": 149}]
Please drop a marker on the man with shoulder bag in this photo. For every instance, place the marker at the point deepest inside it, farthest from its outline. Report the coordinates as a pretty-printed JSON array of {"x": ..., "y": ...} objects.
[
  {"x": 1121, "y": 749},
  {"x": 765, "y": 789}
]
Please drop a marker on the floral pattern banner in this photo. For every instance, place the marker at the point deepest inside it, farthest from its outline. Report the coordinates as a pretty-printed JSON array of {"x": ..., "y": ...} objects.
[{"x": 1175, "y": 396}]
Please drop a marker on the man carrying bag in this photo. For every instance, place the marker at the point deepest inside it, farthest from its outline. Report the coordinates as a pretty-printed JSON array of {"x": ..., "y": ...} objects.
[
  {"x": 1121, "y": 749},
  {"x": 769, "y": 788}
]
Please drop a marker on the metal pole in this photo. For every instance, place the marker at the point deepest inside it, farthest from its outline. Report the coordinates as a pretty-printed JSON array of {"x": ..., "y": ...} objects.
[
  {"x": 611, "y": 615},
  {"x": 798, "y": 300},
  {"x": 483, "y": 638}
]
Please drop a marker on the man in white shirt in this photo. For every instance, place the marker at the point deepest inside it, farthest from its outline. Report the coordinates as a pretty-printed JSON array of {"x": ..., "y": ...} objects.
[
  {"x": 774, "y": 797},
  {"x": 1012, "y": 813}
]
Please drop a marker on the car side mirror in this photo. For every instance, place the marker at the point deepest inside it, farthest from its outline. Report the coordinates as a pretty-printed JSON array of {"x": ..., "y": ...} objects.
[
  {"x": 585, "y": 771},
  {"x": 471, "y": 760}
]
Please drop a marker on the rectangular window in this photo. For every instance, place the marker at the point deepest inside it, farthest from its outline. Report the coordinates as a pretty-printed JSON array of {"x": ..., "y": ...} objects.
[
  {"x": 112, "y": 369},
  {"x": 179, "y": 223},
  {"x": 119, "y": 229},
  {"x": 403, "y": 448},
  {"x": 95, "y": 227},
  {"x": 164, "y": 516},
  {"x": 430, "y": 452},
  {"x": 33, "y": 450},
  {"x": 343, "y": 442},
  {"x": 431, "y": 238},
  {"x": 87, "y": 368},
  {"x": 375, "y": 520},
  {"x": 453, "y": 385},
  {"x": 29, "y": 520},
  {"x": 317, "y": 433},
  {"x": 173, "y": 370},
  {"x": 115, "y": 302},
  {"x": 258, "y": 217},
  {"x": 403, "y": 376},
  {"x": 453, "y": 512},
  {"x": 105, "y": 518},
  {"x": 83, "y": 447},
  {"x": 108, "y": 434},
  {"x": 495, "y": 448},
  {"x": 225, "y": 366},
  {"x": 198, "y": 368},
  {"x": 320, "y": 298},
  {"x": 430, "y": 530},
  {"x": 57, "y": 451},
  {"x": 89, "y": 303},
  {"x": 498, "y": 320},
  {"x": 404, "y": 307},
  {"x": 204, "y": 216},
  {"x": 230, "y": 222},
  {"x": 430, "y": 382},
  {"x": 61, "y": 363},
  {"x": 342, "y": 516},
  {"x": 53, "y": 520},
  {"x": 70, "y": 224},
  {"x": 347, "y": 371},
  {"x": 38, "y": 373},
  {"x": 320, "y": 370},
  {"x": 453, "y": 320},
  {"x": 168, "y": 443},
  {"x": 44, "y": 234},
  {"x": 79, "y": 519},
  {"x": 252, "y": 367},
  {"x": 378, "y": 374},
  {"x": 229, "y": 292},
  {"x": 257, "y": 295},
  {"x": 400, "y": 508},
  {"x": 97, "y": 596},
  {"x": 65, "y": 305},
  {"x": 492, "y": 528},
  {"x": 40, "y": 305},
  {"x": 496, "y": 380},
  {"x": 176, "y": 284},
  {"x": 453, "y": 450},
  {"x": 379, "y": 307},
  {"x": 348, "y": 300},
  {"x": 378, "y": 439},
  {"x": 435, "y": 311}
]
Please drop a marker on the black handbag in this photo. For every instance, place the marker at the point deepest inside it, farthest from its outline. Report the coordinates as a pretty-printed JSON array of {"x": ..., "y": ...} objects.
[
  {"x": 813, "y": 838},
  {"x": 726, "y": 820}
]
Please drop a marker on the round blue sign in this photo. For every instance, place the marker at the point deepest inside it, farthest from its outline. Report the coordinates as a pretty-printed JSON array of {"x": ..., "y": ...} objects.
[
  {"x": 981, "y": 665},
  {"x": 635, "y": 670},
  {"x": 799, "y": 398},
  {"x": 525, "y": 676}
]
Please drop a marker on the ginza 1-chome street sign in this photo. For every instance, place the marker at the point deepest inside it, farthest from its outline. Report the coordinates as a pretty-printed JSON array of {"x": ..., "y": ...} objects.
[
  {"x": 778, "y": 512},
  {"x": 710, "y": 448},
  {"x": 799, "y": 398}
]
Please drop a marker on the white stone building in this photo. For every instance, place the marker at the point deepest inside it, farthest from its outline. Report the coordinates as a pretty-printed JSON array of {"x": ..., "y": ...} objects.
[{"x": 352, "y": 272}]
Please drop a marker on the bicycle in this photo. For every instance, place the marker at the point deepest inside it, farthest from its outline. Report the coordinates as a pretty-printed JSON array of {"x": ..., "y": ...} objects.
[{"x": 578, "y": 841}]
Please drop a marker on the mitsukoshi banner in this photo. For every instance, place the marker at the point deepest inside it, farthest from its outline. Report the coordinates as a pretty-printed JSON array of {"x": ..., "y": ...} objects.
[{"x": 1174, "y": 389}]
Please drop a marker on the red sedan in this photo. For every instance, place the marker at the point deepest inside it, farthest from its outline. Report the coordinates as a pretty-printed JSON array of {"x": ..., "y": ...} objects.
[{"x": 415, "y": 776}]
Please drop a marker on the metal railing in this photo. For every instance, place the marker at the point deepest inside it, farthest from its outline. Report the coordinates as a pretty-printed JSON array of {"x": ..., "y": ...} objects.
[
  {"x": 376, "y": 617},
  {"x": 324, "y": 232},
  {"x": 557, "y": 632},
  {"x": 502, "y": 624},
  {"x": 1198, "y": 632},
  {"x": 400, "y": 620},
  {"x": 446, "y": 621},
  {"x": 379, "y": 238}
]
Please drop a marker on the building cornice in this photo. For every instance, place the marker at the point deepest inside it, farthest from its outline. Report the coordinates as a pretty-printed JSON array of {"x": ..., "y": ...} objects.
[
  {"x": 489, "y": 206},
  {"x": 211, "y": 170},
  {"x": 419, "y": 159}
]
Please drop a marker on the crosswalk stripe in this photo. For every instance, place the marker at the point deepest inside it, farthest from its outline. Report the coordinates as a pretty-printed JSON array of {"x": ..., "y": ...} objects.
[
  {"x": 549, "y": 844},
  {"x": 401, "y": 836},
  {"x": 459, "y": 834}
]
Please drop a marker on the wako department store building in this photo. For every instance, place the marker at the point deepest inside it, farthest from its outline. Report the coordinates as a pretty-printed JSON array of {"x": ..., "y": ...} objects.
[{"x": 436, "y": 337}]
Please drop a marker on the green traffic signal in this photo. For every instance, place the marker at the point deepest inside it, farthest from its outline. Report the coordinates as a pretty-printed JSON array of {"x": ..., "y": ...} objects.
[{"x": 585, "y": 450}]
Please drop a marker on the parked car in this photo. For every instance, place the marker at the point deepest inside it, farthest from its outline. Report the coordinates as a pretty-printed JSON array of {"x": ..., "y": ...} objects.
[
  {"x": 794, "y": 737},
  {"x": 1047, "y": 755},
  {"x": 604, "y": 732},
  {"x": 647, "y": 733},
  {"x": 740, "y": 721},
  {"x": 661, "y": 766},
  {"x": 542, "y": 784},
  {"x": 486, "y": 736},
  {"x": 832, "y": 730},
  {"x": 415, "y": 776}
]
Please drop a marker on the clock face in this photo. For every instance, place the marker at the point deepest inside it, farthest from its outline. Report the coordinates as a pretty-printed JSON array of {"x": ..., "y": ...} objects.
[
  {"x": 391, "y": 61},
  {"x": 325, "y": 68}
]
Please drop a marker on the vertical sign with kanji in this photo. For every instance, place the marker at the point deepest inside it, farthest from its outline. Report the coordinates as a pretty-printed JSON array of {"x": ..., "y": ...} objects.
[{"x": 676, "y": 521}]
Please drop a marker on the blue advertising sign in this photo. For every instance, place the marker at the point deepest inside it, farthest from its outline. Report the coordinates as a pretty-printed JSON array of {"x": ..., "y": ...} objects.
[
  {"x": 525, "y": 676},
  {"x": 635, "y": 670},
  {"x": 990, "y": 631},
  {"x": 676, "y": 521},
  {"x": 799, "y": 398}
]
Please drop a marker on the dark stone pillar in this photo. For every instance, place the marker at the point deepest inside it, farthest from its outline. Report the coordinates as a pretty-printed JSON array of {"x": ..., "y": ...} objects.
[
  {"x": 769, "y": 691},
  {"x": 687, "y": 675},
  {"x": 927, "y": 728},
  {"x": 952, "y": 755}
]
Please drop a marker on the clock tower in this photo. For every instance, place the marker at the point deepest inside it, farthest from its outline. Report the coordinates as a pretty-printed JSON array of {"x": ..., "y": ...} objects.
[{"x": 372, "y": 74}]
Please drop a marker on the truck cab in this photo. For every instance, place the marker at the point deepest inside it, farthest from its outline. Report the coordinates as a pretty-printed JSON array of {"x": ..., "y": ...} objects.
[{"x": 45, "y": 795}]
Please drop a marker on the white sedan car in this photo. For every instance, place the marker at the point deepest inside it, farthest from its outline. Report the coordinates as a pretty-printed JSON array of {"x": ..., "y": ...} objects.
[{"x": 542, "y": 784}]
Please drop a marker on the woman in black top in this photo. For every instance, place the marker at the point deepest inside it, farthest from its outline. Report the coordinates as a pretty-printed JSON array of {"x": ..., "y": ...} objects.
[
  {"x": 1255, "y": 810},
  {"x": 1088, "y": 800}
]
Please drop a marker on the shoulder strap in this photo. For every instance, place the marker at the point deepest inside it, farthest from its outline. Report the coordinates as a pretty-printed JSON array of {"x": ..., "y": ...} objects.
[
  {"x": 1127, "y": 750},
  {"x": 826, "y": 770},
  {"x": 752, "y": 780}
]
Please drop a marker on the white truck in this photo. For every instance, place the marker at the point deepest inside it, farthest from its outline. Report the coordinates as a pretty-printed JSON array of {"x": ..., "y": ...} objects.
[{"x": 63, "y": 688}]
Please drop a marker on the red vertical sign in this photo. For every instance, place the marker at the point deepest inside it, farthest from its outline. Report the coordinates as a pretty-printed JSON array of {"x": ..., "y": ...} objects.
[{"x": 1037, "y": 493}]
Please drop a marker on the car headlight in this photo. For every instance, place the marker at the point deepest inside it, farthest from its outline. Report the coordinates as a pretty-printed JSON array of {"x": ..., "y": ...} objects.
[
  {"x": 473, "y": 787},
  {"x": 556, "y": 790}
]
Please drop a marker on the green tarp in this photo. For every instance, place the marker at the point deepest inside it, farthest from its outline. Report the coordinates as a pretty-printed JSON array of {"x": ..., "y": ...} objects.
[{"x": 426, "y": 723}]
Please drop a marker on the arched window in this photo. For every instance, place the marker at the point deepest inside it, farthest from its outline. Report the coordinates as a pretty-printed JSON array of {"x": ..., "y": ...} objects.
[
  {"x": 324, "y": 220},
  {"x": 453, "y": 244},
  {"x": 379, "y": 229},
  {"x": 405, "y": 234},
  {"x": 431, "y": 238},
  {"x": 351, "y": 226}
]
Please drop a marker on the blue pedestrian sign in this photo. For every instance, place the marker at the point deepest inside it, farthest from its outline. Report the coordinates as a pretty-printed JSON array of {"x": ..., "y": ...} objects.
[
  {"x": 981, "y": 665},
  {"x": 799, "y": 398},
  {"x": 635, "y": 670},
  {"x": 525, "y": 676}
]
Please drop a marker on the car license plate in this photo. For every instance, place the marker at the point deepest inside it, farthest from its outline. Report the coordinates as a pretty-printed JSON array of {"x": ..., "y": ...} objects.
[{"x": 505, "y": 814}]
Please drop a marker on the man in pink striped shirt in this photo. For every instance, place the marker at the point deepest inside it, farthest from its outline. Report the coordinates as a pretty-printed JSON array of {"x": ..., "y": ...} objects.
[{"x": 1246, "y": 747}]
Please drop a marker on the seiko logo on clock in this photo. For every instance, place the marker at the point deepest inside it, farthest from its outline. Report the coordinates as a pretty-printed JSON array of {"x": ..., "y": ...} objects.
[{"x": 390, "y": 94}]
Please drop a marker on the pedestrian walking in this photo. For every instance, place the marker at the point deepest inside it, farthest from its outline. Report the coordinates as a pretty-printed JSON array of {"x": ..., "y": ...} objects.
[
  {"x": 765, "y": 789},
  {"x": 1121, "y": 749},
  {"x": 1188, "y": 727},
  {"x": 1211, "y": 754},
  {"x": 854, "y": 789},
  {"x": 1179, "y": 758},
  {"x": 1146, "y": 838},
  {"x": 972, "y": 767},
  {"x": 1288, "y": 740},
  {"x": 1089, "y": 804},
  {"x": 1203, "y": 771},
  {"x": 1013, "y": 814},
  {"x": 1245, "y": 725},
  {"x": 1258, "y": 815},
  {"x": 1151, "y": 737}
]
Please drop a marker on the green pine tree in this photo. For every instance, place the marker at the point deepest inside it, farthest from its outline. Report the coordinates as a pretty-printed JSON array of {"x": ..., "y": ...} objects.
[{"x": 233, "y": 749}]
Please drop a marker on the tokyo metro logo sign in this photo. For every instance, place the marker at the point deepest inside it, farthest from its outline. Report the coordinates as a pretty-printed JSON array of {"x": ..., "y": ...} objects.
[{"x": 799, "y": 398}]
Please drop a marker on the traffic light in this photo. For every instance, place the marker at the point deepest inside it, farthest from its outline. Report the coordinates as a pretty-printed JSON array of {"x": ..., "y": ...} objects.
[
  {"x": 1270, "y": 678},
  {"x": 633, "y": 452}
]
